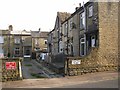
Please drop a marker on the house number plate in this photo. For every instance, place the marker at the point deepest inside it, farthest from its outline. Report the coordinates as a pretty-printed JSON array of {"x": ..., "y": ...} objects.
[{"x": 76, "y": 62}]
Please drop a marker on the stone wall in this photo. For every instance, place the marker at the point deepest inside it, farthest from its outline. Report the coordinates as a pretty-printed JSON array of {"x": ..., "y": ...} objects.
[
  {"x": 76, "y": 35},
  {"x": 11, "y": 74},
  {"x": 89, "y": 64},
  {"x": 119, "y": 34},
  {"x": 108, "y": 33}
]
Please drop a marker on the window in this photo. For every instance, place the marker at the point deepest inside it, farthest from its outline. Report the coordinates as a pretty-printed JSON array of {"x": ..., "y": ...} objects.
[
  {"x": 45, "y": 41},
  {"x": 17, "y": 40},
  {"x": 82, "y": 47},
  {"x": 82, "y": 20},
  {"x": 90, "y": 11},
  {"x": 93, "y": 41},
  {"x": 1, "y": 39},
  {"x": 17, "y": 51},
  {"x": 66, "y": 27},
  {"x": 71, "y": 26},
  {"x": 36, "y": 41}
]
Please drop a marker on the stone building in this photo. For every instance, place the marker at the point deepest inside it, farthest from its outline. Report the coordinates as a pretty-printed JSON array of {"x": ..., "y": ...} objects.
[
  {"x": 88, "y": 27},
  {"x": 91, "y": 33},
  {"x": 39, "y": 43},
  {"x": 80, "y": 30},
  {"x": 16, "y": 43},
  {"x": 55, "y": 44},
  {"x": 70, "y": 35},
  {"x": 60, "y": 18}
]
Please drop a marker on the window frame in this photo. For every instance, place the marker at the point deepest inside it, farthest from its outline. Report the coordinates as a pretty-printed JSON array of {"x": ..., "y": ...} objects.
[
  {"x": 92, "y": 41},
  {"x": 83, "y": 42},
  {"x": 90, "y": 11},
  {"x": 82, "y": 20},
  {"x": 17, "y": 40},
  {"x": 66, "y": 28},
  {"x": 17, "y": 49}
]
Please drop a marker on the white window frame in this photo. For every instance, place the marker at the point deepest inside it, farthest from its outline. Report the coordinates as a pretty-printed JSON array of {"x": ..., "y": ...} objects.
[
  {"x": 66, "y": 27},
  {"x": 90, "y": 11},
  {"x": 82, "y": 20},
  {"x": 45, "y": 41},
  {"x": 83, "y": 42},
  {"x": 93, "y": 41},
  {"x": 71, "y": 25},
  {"x": 17, "y": 40},
  {"x": 36, "y": 41}
]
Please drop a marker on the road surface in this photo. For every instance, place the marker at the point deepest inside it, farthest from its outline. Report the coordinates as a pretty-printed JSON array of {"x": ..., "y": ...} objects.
[
  {"x": 32, "y": 70},
  {"x": 95, "y": 84},
  {"x": 98, "y": 79}
]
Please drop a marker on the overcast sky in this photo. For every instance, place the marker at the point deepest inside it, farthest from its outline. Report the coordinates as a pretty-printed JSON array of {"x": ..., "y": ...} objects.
[{"x": 33, "y": 14}]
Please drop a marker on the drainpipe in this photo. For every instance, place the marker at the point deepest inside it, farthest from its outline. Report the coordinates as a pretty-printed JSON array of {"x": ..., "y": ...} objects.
[
  {"x": 85, "y": 27},
  {"x": 8, "y": 55},
  {"x": 67, "y": 37}
]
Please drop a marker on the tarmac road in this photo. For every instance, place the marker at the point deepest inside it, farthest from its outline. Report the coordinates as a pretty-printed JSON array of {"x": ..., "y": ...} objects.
[
  {"x": 92, "y": 80},
  {"x": 95, "y": 84},
  {"x": 30, "y": 67}
]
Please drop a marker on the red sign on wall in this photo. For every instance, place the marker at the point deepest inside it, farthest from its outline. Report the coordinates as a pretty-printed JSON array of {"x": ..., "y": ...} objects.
[{"x": 10, "y": 65}]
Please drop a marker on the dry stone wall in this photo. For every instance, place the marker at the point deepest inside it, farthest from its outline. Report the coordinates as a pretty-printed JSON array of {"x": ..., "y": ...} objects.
[
  {"x": 108, "y": 33},
  {"x": 89, "y": 64},
  {"x": 11, "y": 74}
]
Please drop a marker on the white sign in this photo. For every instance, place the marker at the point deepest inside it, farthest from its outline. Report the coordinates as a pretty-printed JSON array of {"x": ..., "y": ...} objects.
[{"x": 76, "y": 61}]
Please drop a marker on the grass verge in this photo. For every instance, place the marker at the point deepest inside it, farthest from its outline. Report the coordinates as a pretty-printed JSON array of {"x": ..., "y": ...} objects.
[
  {"x": 28, "y": 65},
  {"x": 37, "y": 75}
]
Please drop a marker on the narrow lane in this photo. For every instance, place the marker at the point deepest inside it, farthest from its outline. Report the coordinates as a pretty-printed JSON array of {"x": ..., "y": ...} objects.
[{"x": 32, "y": 69}]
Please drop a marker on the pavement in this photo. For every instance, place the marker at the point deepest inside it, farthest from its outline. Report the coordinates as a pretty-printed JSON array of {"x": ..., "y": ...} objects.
[{"x": 63, "y": 81}]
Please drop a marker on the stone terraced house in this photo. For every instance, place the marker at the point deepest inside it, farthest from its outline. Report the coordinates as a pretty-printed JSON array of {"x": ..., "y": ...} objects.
[
  {"x": 90, "y": 35},
  {"x": 39, "y": 43}
]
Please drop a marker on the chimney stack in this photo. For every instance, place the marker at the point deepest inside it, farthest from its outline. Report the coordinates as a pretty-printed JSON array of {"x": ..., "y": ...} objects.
[
  {"x": 76, "y": 8},
  {"x": 79, "y": 4},
  {"x": 10, "y": 27}
]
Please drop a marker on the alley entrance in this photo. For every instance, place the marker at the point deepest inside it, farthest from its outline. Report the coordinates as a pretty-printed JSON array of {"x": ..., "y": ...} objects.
[{"x": 31, "y": 69}]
